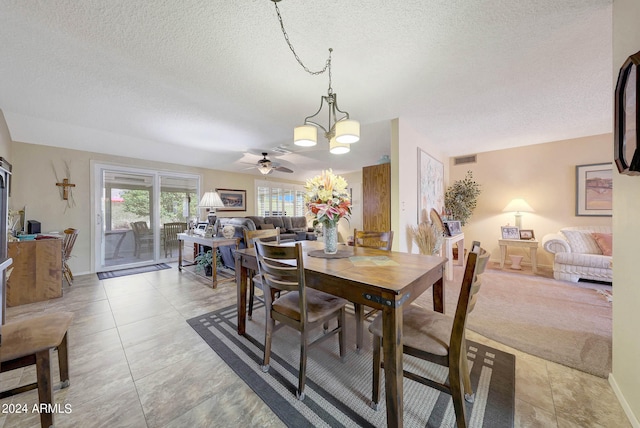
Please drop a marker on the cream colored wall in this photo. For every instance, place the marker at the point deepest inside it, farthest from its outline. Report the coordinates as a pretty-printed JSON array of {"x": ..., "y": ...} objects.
[
  {"x": 542, "y": 174},
  {"x": 5, "y": 139},
  {"x": 625, "y": 378},
  {"x": 404, "y": 179},
  {"x": 345, "y": 228},
  {"x": 34, "y": 187}
]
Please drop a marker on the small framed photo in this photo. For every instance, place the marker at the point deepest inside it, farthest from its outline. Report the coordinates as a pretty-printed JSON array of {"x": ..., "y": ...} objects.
[
  {"x": 208, "y": 233},
  {"x": 233, "y": 200},
  {"x": 510, "y": 232},
  {"x": 527, "y": 234},
  {"x": 452, "y": 228}
]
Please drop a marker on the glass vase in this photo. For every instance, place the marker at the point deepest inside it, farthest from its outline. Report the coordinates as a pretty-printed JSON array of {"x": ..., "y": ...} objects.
[{"x": 330, "y": 233}]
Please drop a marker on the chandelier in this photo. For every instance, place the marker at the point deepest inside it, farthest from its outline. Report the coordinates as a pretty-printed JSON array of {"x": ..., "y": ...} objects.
[{"x": 341, "y": 131}]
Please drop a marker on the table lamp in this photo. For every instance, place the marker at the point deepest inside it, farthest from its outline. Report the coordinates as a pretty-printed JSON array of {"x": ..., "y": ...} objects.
[
  {"x": 211, "y": 200},
  {"x": 518, "y": 206}
]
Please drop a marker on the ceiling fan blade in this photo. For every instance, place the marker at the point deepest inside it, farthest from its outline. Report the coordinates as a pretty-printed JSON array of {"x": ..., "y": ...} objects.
[{"x": 283, "y": 169}]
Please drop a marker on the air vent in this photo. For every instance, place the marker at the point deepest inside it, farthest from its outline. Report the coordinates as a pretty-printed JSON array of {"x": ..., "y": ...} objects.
[
  {"x": 281, "y": 150},
  {"x": 465, "y": 159}
]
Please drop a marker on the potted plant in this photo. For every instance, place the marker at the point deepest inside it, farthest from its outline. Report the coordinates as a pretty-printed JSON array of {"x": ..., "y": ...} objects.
[
  {"x": 460, "y": 199},
  {"x": 204, "y": 261}
]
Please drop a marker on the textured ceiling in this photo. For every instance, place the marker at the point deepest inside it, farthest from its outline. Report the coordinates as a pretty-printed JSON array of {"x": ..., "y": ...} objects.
[{"x": 212, "y": 83}]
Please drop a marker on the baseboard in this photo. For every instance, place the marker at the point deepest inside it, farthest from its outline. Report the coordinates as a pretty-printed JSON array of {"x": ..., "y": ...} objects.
[{"x": 623, "y": 402}]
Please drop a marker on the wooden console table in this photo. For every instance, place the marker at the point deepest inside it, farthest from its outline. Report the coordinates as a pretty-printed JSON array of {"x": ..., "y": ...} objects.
[
  {"x": 37, "y": 271},
  {"x": 532, "y": 244},
  {"x": 207, "y": 242}
]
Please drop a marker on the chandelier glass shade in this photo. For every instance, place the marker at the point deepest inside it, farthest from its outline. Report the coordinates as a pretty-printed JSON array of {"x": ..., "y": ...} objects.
[
  {"x": 337, "y": 148},
  {"x": 305, "y": 135}
]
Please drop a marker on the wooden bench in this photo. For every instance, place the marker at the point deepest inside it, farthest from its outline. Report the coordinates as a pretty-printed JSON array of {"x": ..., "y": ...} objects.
[{"x": 30, "y": 341}]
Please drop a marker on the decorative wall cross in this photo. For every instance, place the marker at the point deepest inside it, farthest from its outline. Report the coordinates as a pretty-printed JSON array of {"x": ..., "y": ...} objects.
[{"x": 65, "y": 188}]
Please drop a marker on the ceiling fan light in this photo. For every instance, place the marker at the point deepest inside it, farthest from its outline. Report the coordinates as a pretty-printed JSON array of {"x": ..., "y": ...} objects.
[
  {"x": 305, "y": 135},
  {"x": 338, "y": 148},
  {"x": 348, "y": 131},
  {"x": 264, "y": 169}
]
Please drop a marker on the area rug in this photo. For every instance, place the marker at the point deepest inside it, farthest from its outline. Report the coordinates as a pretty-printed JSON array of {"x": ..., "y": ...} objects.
[
  {"x": 132, "y": 271},
  {"x": 338, "y": 394},
  {"x": 558, "y": 321}
]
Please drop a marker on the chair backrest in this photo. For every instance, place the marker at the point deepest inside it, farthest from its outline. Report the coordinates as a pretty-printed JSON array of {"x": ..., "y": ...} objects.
[
  {"x": 379, "y": 240},
  {"x": 251, "y": 235},
  {"x": 171, "y": 231},
  {"x": 139, "y": 228},
  {"x": 436, "y": 220},
  {"x": 281, "y": 267},
  {"x": 471, "y": 282},
  {"x": 68, "y": 241}
]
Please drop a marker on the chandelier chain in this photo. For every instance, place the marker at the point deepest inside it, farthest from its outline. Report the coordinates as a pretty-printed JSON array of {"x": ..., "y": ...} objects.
[{"x": 327, "y": 64}]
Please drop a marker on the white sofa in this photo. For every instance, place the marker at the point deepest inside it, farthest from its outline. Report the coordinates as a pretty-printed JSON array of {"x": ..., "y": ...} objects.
[{"x": 578, "y": 253}]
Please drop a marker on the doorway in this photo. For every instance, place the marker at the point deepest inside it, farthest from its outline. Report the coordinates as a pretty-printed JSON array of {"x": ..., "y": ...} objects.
[{"x": 133, "y": 206}]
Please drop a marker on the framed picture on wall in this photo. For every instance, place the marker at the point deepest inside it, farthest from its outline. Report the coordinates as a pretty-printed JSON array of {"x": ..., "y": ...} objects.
[
  {"x": 430, "y": 185},
  {"x": 594, "y": 190},
  {"x": 233, "y": 200}
]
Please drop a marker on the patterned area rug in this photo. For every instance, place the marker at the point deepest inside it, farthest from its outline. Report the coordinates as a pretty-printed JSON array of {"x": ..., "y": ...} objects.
[
  {"x": 338, "y": 394},
  {"x": 132, "y": 271}
]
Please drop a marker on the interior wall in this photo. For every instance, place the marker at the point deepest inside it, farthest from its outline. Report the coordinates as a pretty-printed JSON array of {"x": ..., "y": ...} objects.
[
  {"x": 544, "y": 175},
  {"x": 5, "y": 139},
  {"x": 626, "y": 228},
  {"x": 345, "y": 227},
  {"x": 34, "y": 186},
  {"x": 404, "y": 179}
]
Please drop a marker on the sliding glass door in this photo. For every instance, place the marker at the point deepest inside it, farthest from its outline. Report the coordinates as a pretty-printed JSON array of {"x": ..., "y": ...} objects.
[{"x": 133, "y": 206}]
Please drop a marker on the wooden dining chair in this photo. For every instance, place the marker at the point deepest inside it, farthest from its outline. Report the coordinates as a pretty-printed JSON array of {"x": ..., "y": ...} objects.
[
  {"x": 143, "y": 237},
  {"x": 438, "y": 338},
  {"x": 170, "y": 234},
  {"x": 68, "y": 242},
  {"x": 254, "y": 280},
  {"x": 379, "y": 240},
  {"x": 282, "y": 267}
]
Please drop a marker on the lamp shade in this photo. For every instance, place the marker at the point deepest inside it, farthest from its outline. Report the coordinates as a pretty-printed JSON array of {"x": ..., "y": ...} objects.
[
  {"x": 305, "y": 135},
  {"x": 211, "y": 199},
  {"x": 518, "y": 205},
  {"x": 347, "y": 131},
  {"x": 338, "y": 148}
]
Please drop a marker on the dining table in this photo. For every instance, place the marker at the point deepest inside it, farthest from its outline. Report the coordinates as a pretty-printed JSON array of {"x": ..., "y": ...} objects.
[{"x": 387, "y": 281}]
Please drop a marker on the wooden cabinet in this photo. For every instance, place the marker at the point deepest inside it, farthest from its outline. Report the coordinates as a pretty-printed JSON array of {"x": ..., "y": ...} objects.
[
  {"x": 37, "y": 271},
  {"x": 376, "y": 197}
]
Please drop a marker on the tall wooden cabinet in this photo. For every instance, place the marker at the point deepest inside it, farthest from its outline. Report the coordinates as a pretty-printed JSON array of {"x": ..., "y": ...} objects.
[
  {"x": 376, "y": 197},
  {"x": 37, "y": 271}
]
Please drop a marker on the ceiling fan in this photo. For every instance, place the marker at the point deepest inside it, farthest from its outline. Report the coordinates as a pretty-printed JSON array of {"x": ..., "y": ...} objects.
[{"x": 266, "y": 166}]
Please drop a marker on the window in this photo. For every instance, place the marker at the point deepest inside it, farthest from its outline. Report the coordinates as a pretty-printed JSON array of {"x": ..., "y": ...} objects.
[{"x": 274, "y": 199}]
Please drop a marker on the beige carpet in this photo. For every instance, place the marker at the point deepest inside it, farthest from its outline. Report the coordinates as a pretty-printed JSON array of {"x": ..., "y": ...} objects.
[{"x": 554, "y": 320}]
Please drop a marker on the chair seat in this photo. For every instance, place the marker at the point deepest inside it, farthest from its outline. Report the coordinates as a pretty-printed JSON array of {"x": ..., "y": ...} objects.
[
  {"x": 319, "y": 305},
  {"x": 27, "y": 337},
  {"x": 423, "y": 329}
]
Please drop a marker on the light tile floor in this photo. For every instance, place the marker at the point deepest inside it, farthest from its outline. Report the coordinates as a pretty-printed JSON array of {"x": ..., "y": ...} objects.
[{"x": 135, "y": 362}]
